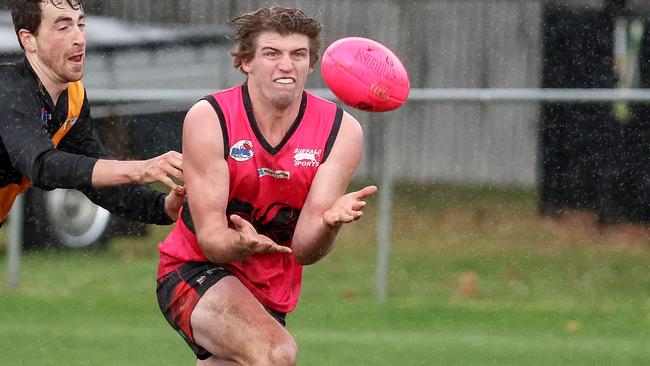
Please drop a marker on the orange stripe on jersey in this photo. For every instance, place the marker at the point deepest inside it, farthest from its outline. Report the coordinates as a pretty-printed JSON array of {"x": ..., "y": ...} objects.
[{"x": 76, "y": 95}]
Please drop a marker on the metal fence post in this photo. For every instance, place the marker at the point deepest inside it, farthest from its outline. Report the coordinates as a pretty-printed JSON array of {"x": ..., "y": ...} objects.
[
  {"x": 384, "y": 220},
  {"x": 15, "y": 243}
]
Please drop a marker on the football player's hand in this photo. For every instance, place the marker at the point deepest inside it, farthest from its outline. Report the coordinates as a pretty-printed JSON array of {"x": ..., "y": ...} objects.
[
  {"x": 348, "y": 207},
  {"x": 251, "y": 242}
]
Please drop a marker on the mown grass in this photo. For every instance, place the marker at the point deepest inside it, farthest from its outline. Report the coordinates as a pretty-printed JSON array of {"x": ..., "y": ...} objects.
[{"x": 476, "y": 277}]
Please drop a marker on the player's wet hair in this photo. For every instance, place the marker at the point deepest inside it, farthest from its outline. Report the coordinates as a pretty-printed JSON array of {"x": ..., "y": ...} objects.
[
  {"x": 26, "y": 14},
  {"x": 277, "y": 19}
]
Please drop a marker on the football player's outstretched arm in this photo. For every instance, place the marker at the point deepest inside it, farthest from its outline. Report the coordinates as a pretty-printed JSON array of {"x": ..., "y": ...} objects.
[
  {"x": 207, "y": 184},
  {"x": 327, "y": 206}
]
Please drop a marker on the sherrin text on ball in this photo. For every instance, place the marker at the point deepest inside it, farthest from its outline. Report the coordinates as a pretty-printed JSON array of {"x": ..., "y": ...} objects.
[{"x": 365, "y": 74}]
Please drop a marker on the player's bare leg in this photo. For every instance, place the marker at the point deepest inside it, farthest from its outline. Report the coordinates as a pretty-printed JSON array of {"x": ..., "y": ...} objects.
[
  {"x": 213, "y": 361},
  {"x": 232, "y": 325}
]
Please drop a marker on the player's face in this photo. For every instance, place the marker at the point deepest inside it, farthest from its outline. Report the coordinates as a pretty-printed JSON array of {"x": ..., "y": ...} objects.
[
  {"x": 61, "y": 42},
  {"x": 279, "y": 68}
]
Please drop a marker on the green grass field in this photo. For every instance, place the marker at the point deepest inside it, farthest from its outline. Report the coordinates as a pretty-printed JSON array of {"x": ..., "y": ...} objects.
[{"x": 477, "y": 278}]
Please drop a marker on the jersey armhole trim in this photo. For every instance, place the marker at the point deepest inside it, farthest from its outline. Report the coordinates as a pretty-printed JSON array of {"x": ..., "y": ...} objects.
[
  {"x": 333, "y": 133},
  {"x": 222, "y": 121}
]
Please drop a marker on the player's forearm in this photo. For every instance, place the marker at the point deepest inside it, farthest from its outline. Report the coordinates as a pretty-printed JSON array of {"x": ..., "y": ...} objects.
[
  {"x": 221, "y": 245},
  {"x": 313, "y": 240},
  {"x": 113, "y": 172}
]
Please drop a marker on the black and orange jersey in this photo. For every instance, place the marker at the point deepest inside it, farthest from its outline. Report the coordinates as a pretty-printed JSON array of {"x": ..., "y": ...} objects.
[{"x": 28, "y": 120}]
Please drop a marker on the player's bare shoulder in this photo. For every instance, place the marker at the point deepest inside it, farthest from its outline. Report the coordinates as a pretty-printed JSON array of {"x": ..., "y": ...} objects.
[
  {"x": 200, "y": 112},
  {"x": 351, "y": 130},
  {"x": 348, "y": 146},
  {"x": 201, "y": 126}
]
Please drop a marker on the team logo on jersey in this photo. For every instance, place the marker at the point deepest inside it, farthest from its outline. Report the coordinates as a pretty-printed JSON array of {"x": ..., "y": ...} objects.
[
  {"x": 242, "y": 150},
  {"x": 280, "y": 174},
  {"x": 307, "y": 157},
  {"x": 44, "y": 116}
]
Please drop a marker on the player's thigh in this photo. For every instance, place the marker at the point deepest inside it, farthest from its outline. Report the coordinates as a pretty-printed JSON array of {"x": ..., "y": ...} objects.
[
  {"x": 231, "y": 324},
  {"x": 213, "y": 361}
]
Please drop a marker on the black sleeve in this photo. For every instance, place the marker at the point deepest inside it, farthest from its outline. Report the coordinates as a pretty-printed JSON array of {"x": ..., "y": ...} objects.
[
  {"x": 32, "y": 153},
  {"x": 131, "y": 201}
]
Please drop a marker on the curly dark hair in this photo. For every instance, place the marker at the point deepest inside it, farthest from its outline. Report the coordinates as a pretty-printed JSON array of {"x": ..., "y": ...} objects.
[
  {"x": 26, "y": 14},
  {"x": 278, "y": 19}
]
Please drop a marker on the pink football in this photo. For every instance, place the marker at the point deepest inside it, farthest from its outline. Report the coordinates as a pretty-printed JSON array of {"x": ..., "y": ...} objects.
[{"x": 365, "y": 74}]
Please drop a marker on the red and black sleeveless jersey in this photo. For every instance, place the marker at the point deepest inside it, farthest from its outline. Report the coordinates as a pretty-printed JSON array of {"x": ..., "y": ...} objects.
[{"x": 268, "y": 187}]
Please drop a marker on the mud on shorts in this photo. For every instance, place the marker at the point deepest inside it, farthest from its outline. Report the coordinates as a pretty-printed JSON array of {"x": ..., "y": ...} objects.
[{"x": 180, "y": 290}]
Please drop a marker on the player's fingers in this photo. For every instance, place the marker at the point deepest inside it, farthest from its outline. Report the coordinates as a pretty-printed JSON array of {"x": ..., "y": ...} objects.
[
  {"x": 168, "y": 160},
  {"x": 156, "y": 168},
  {"x": 365, "y": 192},
  {"x": 277, "y": 249},
  {"x": 358, "y": 205},
  {"x": 266, "y": 240},
  {"x": 176, "y": 160},
  {"x": 356, "y": 214},
  {"x": 240, "y": 224},
  {"x": 173, "y": 171},
  {"x": 282, "y": 249},
  {"x": 180, "y": 190},
  {"x": 347, "y": 218},
  {"x": 172, "y": 185},
  {"x": 177, "y": 193},
  {"x": 173, "y": 155},
  {"x": 246, "y": 231}
]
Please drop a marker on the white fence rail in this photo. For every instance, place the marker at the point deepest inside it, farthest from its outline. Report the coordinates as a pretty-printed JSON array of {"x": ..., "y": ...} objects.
[{"x": 427, "y": 95}]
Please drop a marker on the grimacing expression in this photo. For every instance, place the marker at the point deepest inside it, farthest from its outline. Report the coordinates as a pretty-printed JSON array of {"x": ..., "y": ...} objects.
[
  {"x": 279, "y": 67},
  {"x": 60, "y": 42}
]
